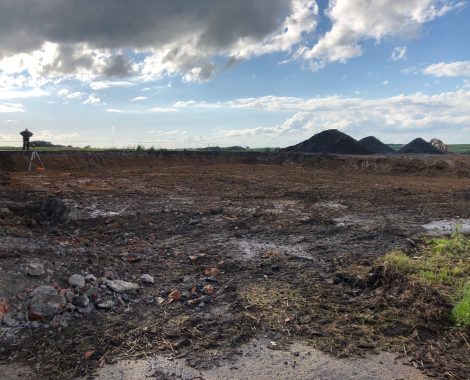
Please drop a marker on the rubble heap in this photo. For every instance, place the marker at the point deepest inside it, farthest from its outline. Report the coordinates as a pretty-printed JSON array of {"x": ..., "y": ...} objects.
[{"x": 440, "y": 145}]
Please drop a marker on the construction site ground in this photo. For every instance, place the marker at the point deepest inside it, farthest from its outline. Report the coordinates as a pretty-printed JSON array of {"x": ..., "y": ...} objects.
[{"x": 260, "y": 270}]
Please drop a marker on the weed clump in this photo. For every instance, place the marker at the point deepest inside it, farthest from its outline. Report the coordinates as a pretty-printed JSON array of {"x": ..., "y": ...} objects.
[
  {"x": 461, "y": 310},
  {"x": 443, "y": 263}
]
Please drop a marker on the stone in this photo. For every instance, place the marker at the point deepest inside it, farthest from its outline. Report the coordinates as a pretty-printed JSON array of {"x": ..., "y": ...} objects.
[
  {"x": 106, "y": 304},
  {"x": 45, "y": 303},
  {"x": 216, "y": 211},
  {"x": 56, "y": 210},
  {"x": 147, "y": 279},
  {"x": 69, "y": 295},
  {"x": 35, "y": 269},
  {"x": 93, "y": 293},
  {"x": 86, "y": 309},
  {"x": 4, "y": 308},
  {"x": 77, "y": 281},
  {"x": 90, "y": 278},
  {"x": 81, "y": 300},
  {"x": 121, "y": 286},
  {"x": 10, "y": 320}
]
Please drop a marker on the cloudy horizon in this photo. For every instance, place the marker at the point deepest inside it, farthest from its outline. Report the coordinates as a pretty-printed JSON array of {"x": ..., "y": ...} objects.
[{"x": 255, "y": 73}]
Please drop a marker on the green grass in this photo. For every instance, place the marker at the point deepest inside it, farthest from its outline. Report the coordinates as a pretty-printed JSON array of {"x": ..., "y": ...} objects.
[
  {"x": 454, "y": 148},
  {"x": 461, "y": 310},
  {"x": 459, "y": 148},
  {"x": 440, "y": 262}
]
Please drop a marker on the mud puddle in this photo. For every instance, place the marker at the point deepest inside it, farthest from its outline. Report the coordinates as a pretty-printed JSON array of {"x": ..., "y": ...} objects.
[
  {"x": 260, "y": 359},
  {"x": 447, "y": 227}
]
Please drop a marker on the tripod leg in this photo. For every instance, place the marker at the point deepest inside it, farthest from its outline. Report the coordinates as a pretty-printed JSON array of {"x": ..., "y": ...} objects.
[
  {"x": 37, "y": 155},
  {"x": 31, "y": 161}
]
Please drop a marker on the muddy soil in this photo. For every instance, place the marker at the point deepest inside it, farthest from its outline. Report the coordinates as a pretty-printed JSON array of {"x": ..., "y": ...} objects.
[{"x": 237, "y": 251}]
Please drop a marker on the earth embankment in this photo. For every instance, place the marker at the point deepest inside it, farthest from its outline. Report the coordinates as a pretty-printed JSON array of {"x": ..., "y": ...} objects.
[{"x": 448, "y": 166}]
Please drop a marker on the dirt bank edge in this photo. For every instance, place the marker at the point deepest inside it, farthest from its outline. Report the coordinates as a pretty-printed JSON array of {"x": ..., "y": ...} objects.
[{"x": 447, "y": 166}]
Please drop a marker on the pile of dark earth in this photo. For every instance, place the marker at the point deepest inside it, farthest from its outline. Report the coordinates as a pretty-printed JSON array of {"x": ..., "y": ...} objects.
[
  {"x": 329, "y": 141},
  {"x": 418, "y": 145},
  {"x": 374, "y": 145}
]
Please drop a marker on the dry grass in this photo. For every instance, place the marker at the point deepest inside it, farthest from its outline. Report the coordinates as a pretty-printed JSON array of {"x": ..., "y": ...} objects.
[{"x": 276, "y": 304}]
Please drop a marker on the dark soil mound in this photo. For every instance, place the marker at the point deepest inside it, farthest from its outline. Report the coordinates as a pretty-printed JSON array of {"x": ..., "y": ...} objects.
[
  {"x": 329, "y": 141},
  {"x": 375, "y": 145},
  {"x": 419, "y": 146}
]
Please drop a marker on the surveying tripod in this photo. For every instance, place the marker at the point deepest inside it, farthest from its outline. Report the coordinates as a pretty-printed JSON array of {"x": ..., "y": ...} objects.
[{"x": 35, "y": 155}]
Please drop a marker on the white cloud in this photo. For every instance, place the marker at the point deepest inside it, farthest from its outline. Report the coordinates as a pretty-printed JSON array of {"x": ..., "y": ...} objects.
[
  {"x": 11, "y": 107},
  {"x": 405, "y": 115},
  {"x": 52, "y": 136},
  {"x": 139, "y": 98},
  {"x": 176, "y": 132},
  {"x": 103, "y": 85},
  {"x": 54, "y": 63},
  {"x": 162, "y": 109},
  {"x": 399, "y": 53},
  {"x": 93, "y": 99},
  {"x": 66, "y": 94},
  {"x": 356, "y": 21},
  {"x": 115, "y": 110},
  {"x": 385, "y": 82},
  {"x": 22, "y": 94},
  {"x": 452, "y": 69}
]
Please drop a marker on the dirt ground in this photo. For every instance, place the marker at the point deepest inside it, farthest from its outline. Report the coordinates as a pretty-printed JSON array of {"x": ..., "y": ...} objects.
[{"x": 237, "y": 252}]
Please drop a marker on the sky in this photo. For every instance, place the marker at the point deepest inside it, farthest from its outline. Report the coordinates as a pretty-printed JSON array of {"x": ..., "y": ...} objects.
[{"x": 258, "y": 73}]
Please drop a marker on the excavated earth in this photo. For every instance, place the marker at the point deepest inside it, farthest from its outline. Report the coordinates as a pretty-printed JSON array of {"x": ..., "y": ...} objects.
[{"x": 264, "y": 266}]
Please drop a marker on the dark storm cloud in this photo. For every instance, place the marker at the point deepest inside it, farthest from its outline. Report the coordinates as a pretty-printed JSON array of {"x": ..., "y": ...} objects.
[
  {"x": 69, "y": 60},
  {"x": 118, "y": 67},
  {"x": 26, "y": 24}
]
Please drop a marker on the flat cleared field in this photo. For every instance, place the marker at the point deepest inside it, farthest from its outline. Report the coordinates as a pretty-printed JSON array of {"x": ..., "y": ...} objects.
[{"x": 237, "y": 252}]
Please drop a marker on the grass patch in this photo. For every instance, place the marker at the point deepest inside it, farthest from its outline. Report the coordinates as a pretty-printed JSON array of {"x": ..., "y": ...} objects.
[
  {"x": 443, "y": 263},
  {"x": 453, "y": 148},
  {"x": 461, "y": 310}
]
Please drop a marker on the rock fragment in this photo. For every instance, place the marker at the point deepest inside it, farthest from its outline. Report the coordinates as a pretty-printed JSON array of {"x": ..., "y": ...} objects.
[
  {"x": 35, "y": 268},
  {"x": 86, "y": 309},
  {"x": 147, "y": 279},
  {"x": 4, "y": 308},
  {"x": 90, "y": 278},
  {"x": 77, "y": 281},
  {"x": 121, "y": 286},
  {"x": 106, "y": 304},
  {"x": 45, "y": 303},
  {"x": 55, "y": 210},
  {"x": 10, "y": 320},
  {"x": 81, "y": 300}
]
